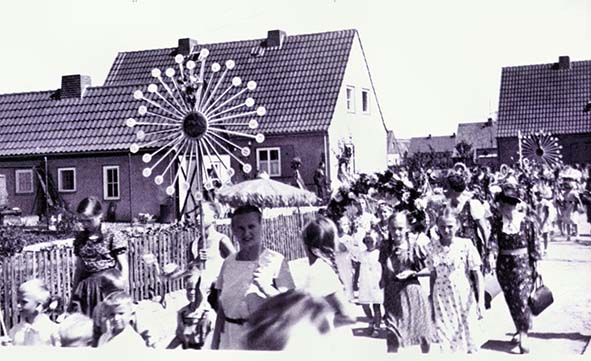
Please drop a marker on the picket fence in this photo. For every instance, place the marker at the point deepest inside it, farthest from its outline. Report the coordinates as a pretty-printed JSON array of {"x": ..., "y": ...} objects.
[{"x": 54, "y": 265}]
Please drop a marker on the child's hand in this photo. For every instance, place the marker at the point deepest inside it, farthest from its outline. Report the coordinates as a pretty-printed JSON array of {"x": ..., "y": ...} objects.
[
  {"x": 149, "y": 259},
  {"x": 405, "y": 274}
]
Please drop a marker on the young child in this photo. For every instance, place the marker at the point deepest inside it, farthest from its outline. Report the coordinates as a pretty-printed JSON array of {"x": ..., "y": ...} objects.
[
  {"x": 371, "y": 296},
  {"x": 323, "y": 279},
  {"x": 35, "y": 327},
  {"x": 119, "y": 314},
  {"x": 193, "y": 323},
  {"x": 76, "y": 331},
  {"x": 546, "y": 213}
]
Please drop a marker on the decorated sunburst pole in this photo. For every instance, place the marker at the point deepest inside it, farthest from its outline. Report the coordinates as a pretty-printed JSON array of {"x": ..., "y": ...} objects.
[
  {"x": 519, "y": 149},
  {"x": 191, "y": 120}
]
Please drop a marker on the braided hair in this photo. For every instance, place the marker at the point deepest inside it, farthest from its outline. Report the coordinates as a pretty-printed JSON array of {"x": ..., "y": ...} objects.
[{"x": 319, "y": 237}]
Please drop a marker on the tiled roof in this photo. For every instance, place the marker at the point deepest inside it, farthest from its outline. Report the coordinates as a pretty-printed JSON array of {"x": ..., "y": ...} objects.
[
  {"x": 439, "y": 144},
  {"x": 535, "y": 97},
  {"x": 40, "y": 122},
  {"x": 298, "y": 84},
  {"x": 481, "y": 135}
]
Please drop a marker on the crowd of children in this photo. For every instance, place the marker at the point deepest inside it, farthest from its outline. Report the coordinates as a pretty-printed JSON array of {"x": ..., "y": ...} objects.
[{"x": 448, "y": 228}]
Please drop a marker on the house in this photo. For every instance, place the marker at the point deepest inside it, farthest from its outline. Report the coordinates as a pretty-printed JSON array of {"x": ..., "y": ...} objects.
[
  {"x": 397, "y": 149},
  {"x": 551, "y": 97},
  {"x": 73, "y": 142},
  {"x": 482, "y": 137},
  {"x": 433, "y": 151}
]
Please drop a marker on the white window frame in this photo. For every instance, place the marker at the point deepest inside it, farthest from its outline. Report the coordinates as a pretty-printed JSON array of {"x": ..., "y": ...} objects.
[
  {"x": 365, "y": 91},
  {"x": 17, "y": 174},
  {"x": 106, "y": 196},
  {"x": 60, "y": 184},
  {"x": 269, "y": 150},
  {"x": 350, "y": 101}
]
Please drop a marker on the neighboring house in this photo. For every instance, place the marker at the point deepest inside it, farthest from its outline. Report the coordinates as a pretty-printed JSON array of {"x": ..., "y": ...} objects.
[
  {"x": 551, "y": 97},
  {"x": 397, "y": 149},
  {"x": 316, "y": 88},
  {"x": 482, "y": 137},
  {"x": 436, "y": 149}
]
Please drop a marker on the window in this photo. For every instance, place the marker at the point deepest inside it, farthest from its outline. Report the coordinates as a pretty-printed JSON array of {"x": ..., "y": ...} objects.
[
  {"x": 365, "y": 101},
  {"x": 3, "y": 191},
  {"x": 66, "y": 179},
  {"x": 269, "y": 160},
  {"x": 350, "y": 99},
  {"x": 111, "y": 182},
  {"x": 24, "y": 180}
]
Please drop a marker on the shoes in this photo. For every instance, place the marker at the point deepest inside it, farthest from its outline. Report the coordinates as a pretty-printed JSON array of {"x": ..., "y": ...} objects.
[
  {"x": 523, "y": 344},
  {"x": 515, "y": 339}
]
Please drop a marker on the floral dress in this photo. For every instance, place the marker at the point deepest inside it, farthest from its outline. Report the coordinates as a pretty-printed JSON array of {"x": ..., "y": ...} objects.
[
  {"x": 408, "y": 314},
  {"x": 99, "y": 274},
  {"x": 454, "y": 301},
  {"x": 515, "y": 272}
]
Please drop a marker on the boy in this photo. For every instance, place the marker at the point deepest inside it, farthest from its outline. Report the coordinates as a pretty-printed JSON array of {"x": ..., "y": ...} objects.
[
  {"x": 35, "y": 328},
  {"x": 119, "y": 314}
]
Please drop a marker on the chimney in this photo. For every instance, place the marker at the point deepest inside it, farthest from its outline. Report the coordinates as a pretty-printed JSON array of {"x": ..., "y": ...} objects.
[
  {"x": 429, "y": 137},
  {"x": 73, "y": 86},
  {"x": 563, "y": 62},
  {"x": 186, "y": 46},
  {"x": 276, "y": 38},
  {"x": 453, "y": 135},
  {"x": 489, "y": 122}
]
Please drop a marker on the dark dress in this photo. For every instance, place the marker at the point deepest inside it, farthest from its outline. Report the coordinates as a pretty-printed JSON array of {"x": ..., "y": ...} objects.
[
  {"x": 515, "y": 272},
  {"x": 99, "y": 274},
  {"x": 408, "y": 314}
]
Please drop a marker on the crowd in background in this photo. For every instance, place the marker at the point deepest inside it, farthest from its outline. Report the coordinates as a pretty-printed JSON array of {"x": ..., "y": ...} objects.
[{"x": 369, "y": 247}]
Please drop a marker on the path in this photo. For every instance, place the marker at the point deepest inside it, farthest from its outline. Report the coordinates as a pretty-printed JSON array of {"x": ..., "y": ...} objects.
[{"x": 564, "y": 328}]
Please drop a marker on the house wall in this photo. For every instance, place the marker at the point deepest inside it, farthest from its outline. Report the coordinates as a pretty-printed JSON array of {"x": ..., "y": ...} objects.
[
  {"x": 576, "y": 148},
  {"x": 309, "y": 147},
  {"x": 366, "y": 131},
  {"x": 137, "y": 194}
]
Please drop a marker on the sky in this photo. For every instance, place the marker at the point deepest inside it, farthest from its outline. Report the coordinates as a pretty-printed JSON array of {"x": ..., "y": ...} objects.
[{"x": 435, "y": 63}]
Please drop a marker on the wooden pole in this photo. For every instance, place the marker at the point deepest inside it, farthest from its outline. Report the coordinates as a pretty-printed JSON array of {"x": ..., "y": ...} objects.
[{"x": 519, "y": 150}]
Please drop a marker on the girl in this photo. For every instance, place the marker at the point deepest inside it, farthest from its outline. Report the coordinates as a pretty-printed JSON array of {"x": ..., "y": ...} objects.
[
  {"x": 408, "y": 316},
  {"x": 101, "y": 259},
  {"x": 453, "y": 263},
  {"x": 323, "y": 278},
  {"x": 343, "y": 258},
  {"x": 370, "y": 273}
]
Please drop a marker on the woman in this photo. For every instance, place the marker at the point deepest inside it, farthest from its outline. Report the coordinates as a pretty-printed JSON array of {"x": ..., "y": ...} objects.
[
  {"x": 516, "y": 237},
  {"x": 454, "y": 262},
  {"x": 101, "y": 259},
  {"x": 408, "y": 316},
  {"x": 246, "y": 279}
]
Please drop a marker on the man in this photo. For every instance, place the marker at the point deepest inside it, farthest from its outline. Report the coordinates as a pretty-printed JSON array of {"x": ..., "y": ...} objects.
[{"x": 320, "y": 181}]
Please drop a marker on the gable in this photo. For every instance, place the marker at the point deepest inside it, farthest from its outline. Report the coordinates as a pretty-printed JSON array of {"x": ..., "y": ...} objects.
[
  {"x": 481, "y": 135},
  {"x": 536, "y": 97},
  {"x": 298, "y": 83},
  {"x": 439, "y": 144}
]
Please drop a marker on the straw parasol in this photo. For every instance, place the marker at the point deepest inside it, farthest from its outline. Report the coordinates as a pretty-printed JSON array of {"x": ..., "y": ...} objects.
[{"x": 264, "y": 192}]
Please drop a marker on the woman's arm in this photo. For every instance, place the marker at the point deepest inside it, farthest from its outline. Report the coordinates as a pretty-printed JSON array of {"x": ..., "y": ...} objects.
[
  {"x": 124, "y": 267},
  {"x": 218, "y": 328},
  {"x": 479, "y": 285},
  {"x": 78, "y": 266},
  {"x": 432, "y": 279}
]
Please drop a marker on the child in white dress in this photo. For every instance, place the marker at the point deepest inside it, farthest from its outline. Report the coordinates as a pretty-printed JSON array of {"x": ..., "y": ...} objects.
[{"x": 371, "y": 296}]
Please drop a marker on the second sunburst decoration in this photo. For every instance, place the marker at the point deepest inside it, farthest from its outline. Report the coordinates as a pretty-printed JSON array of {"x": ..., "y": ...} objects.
[{"x": 188, "y": 117}]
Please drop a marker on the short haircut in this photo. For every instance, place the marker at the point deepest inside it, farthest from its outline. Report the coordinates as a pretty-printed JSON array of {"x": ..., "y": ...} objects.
[
  {"x": 269, "y": 327},
  {"x": 248, "y": 208},
  {"x": 76, "y": 327},
  {"x": 116, "y": 299},
  {"x": 36, "y": 289},
  {"x": 90, "y": 206}
]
